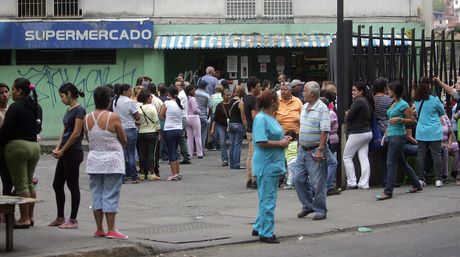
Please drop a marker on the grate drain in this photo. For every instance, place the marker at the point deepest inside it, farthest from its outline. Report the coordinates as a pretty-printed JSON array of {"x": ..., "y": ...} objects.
[{"x": 174, "y": 228}]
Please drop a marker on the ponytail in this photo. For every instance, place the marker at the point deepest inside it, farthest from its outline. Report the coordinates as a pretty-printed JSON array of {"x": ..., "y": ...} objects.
[
  {"x": 367, "y": 93},
  {"x": 74, "y": 91},
  {"x": 173, "y": 92},
  {"x": 121, "y": 89},
  {"x": 178, "y": 103},
  {"x": 31, "y": 101}
]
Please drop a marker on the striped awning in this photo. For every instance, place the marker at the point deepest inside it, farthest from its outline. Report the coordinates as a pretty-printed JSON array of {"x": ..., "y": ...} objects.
[
  {"x": 255, "y": 40},
  {"x": 242, "y": 41}
]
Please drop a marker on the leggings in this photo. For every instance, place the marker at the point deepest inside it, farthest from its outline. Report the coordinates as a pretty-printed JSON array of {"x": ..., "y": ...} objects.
[
  {"x": 21, "y": 158},
  {"x": 68, "y": 170}
]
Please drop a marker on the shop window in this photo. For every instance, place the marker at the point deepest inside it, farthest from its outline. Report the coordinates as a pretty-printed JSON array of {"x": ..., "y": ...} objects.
[
  {"x": 278, "y": 9},
  {"x": 67, "y": 8},
  {"x": 31, "y": 8},
  {"x": 65, "y": 56},
  {"x": 5, "y": 57},
  {"x": 241, "y": 9}
]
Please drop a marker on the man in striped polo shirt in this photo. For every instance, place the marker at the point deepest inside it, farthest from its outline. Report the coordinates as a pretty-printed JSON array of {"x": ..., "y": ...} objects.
[{"x": 311, "y": 166}]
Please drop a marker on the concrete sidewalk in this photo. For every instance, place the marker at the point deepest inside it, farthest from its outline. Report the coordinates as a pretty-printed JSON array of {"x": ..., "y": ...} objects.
[{"x": 209, "y": 207}]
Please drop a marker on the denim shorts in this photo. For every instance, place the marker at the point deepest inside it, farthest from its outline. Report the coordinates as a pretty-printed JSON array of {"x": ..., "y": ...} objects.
[{"x": 105, "y": 189}]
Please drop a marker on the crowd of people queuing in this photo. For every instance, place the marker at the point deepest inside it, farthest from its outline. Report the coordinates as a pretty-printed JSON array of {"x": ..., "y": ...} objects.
[{"x": 291, "y": 127}]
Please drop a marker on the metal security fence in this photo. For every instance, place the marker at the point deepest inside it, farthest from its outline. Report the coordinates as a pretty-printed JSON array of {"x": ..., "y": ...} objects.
[{"x": 409, "y": 56}]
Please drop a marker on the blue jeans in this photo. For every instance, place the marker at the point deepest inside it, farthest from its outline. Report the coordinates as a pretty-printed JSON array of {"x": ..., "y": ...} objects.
[
  {"x": 410, "y": 150},
  {"x": 395, "y": 157},
  {"x": 235, "y": 134},
  {"x": 331, "y": 171},
  {"x": 267, "y": 189},
  {"x": 221, "y": 133},
  {"x": 310, "y": 173},
  {"x": 130, "y": 153},
  {"x": 204, "y": 132}
]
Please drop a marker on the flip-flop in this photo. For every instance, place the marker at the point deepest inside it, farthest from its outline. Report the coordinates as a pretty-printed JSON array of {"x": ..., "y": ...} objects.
[
  {"x": 21, "y": 226},
  {"x": 414, "y": 190},
  {"x": 382, "y": 197}
]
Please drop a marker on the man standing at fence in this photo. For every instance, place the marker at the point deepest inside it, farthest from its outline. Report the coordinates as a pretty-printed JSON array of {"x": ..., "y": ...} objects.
[{"x": 311, "y": 166}]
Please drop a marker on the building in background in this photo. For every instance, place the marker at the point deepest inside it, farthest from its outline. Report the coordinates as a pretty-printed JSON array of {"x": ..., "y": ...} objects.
[{"x": 97, "y": 42}]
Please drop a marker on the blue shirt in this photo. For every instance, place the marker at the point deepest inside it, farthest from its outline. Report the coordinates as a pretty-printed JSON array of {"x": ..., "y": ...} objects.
[
  {"x": 204, "y": 102},
  {"x": 397, "y": 110},
  {"x": 267, "y": 161},
  {"x": 313, "y": 121},
  {"x": 429, "y": 125},
  {"x": 212, "y": 83}
]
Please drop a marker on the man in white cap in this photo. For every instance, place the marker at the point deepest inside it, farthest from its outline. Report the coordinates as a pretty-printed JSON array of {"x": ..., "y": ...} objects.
[{"x": 297, "y": 88}]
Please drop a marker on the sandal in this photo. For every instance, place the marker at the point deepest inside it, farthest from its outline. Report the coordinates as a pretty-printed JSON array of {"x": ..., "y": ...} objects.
[
  {"x": 57, "y": 222},
  {"x": 382, "y": 197},
  {"x": 414, "y": 190},
  {"x": 69, "y": 225}
]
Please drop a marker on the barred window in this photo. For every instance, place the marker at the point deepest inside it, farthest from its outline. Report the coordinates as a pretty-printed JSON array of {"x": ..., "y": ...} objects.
[
  {"x": 241, "y": 9},
  {"x": 31, "y": 8},
  {"x": 67, "y": 8},
  {"x": 278, "y": 9}
]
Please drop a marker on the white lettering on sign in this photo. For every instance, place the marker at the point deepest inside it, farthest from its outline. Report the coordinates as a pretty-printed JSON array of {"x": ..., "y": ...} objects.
[{"x": 87, "y": 35}]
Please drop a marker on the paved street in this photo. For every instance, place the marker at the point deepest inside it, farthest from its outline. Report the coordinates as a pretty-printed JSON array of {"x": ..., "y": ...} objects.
[
  {"x": 431, "y": 239},
  {"x": 209, "y": 207}
]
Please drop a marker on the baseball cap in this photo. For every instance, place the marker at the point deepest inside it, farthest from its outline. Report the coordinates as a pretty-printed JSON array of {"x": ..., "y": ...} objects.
[{"x": 296, "y": 82}]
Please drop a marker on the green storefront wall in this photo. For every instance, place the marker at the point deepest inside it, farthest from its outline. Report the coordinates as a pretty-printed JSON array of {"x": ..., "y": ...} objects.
[{"x": 130, "y": 64}]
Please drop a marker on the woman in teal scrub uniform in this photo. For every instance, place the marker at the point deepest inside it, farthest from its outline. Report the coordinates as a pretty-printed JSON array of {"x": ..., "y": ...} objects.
[{"x": 268, "y": 163}]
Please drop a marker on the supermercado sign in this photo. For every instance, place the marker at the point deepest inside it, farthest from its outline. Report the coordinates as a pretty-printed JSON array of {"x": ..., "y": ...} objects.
[{"x": 98, "y": 34}]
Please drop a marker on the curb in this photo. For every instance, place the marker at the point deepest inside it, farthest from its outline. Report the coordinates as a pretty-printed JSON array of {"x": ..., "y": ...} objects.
[{"x": 123, "y": 250}]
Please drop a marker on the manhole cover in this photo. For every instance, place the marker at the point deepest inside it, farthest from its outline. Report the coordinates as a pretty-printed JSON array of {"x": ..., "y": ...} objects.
[{"x": 174, "y": 228}]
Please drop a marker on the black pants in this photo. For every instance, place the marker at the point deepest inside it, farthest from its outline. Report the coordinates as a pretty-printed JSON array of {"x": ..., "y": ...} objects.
[
  {"x": 7, "y": 184},
  {"x": 149, "y": 152},
  {"x": 68, "y": 170}
]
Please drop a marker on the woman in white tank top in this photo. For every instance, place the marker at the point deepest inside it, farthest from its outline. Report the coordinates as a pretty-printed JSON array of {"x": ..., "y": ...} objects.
[{"x": 105, "y": 163}]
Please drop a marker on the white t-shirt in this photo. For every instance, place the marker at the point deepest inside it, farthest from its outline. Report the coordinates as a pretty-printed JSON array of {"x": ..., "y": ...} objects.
[
  {"x": 173, "y": 115},
  {"x": 126, "y": 108},
  {"x": 184, "y": 101}
]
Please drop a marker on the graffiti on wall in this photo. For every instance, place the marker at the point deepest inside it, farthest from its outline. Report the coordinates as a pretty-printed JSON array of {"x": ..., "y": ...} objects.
[
  {"x": 48, "y": 79},
  {"x": 191, "y": 76}
]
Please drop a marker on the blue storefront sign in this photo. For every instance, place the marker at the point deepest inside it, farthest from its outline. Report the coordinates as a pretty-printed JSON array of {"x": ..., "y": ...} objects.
[{"x": 78, "y": 34}]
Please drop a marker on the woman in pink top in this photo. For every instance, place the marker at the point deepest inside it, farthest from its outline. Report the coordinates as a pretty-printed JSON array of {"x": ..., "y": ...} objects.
[
  {"x": 446, "y": 144},
  {"x": 193, "y": 123}
]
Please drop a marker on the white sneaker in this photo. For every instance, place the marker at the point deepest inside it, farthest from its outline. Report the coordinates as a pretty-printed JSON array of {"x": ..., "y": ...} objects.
[
  {"x": 439, "y": 183},
  {"x": 422, "y": 183}
]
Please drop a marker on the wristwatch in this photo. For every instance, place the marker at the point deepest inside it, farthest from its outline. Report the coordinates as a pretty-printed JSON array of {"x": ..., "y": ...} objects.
[{"x": 321, "y": 148}]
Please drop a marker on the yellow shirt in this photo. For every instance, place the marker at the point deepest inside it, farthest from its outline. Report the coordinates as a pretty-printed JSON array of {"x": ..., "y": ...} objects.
[{"x": 288, "y": 114}]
